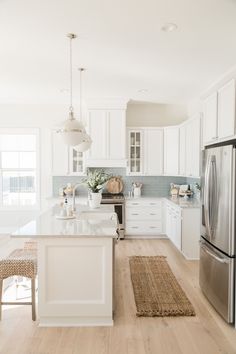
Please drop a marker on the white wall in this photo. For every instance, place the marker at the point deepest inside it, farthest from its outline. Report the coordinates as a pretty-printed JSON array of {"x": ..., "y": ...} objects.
[
  {"x": 44, "y": 117},
  {"x": 153, "y": 114}
]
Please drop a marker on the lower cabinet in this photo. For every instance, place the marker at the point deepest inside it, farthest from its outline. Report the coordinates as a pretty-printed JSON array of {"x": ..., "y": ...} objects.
[
  {"x": 143, "y": 217},
  {"x": 183, "y": 229}
]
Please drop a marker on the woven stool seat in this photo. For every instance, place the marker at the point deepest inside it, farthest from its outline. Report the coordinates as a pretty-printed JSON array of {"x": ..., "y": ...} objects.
[{"x": 20, "y": 262}]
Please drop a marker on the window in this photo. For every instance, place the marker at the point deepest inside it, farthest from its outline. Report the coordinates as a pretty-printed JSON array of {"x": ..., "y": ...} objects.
[{"x": 19, "y": 178}]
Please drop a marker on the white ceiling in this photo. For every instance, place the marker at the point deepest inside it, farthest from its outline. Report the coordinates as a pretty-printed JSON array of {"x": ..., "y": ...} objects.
[{"x": 121, "y": 45}]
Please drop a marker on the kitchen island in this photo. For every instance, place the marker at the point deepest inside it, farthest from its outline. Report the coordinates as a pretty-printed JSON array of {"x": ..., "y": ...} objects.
[{"x": 75, "y": 266}]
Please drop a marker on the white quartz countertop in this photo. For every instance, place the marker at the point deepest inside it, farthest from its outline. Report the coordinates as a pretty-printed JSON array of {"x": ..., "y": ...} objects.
[
  {"x": 87, "y": 224},
  {"x": 179, "y": 201},
  {"x": 185, "y": 203}
]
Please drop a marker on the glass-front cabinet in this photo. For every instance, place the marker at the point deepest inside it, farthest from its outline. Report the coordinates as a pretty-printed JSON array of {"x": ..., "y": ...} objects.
[
  {"x": 77, "y": 163},
  {"x": 135, "y": 150}
]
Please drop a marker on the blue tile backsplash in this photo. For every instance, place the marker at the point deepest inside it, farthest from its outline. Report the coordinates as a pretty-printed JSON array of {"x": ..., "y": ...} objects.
[{"x": 157, "y": 186}]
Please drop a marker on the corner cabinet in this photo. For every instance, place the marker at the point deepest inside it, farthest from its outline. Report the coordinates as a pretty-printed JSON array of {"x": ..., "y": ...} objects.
[
  {"x": 145, "y": 152},
  {"x": 171, "y": 151},
  {"x": 107, "y": 129}
]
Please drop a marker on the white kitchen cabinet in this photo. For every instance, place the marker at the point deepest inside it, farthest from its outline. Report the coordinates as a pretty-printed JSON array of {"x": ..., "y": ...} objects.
[
  {"x": 107, "y": 129},
  {"x": 182, "y": 150},
  {"x": 210, "y": 118},
  {"x": 226, "y": 110},
  {"x": 153, "y": 152},
  {"x": 76, "y": 162},
  {"x": 143, "y": 217},
  {"x": 171, "y": 151},
  {"x": 60, "y": 156},
  {"x": 145, "y": 151},
  {"x": 219, "y": 114},
  {"x": 66, "y": 161},
  {"x": 192, "y": 148},
  {"x": 183, "y": 229},
  {"x": 135, "y": 152}
]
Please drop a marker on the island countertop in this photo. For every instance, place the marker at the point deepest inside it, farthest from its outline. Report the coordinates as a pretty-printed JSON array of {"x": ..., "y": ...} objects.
[{"x": 47, "y": 225}]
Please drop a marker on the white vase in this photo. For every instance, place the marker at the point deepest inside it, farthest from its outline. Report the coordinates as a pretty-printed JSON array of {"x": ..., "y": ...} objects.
[{"x": 95, "y": 200}]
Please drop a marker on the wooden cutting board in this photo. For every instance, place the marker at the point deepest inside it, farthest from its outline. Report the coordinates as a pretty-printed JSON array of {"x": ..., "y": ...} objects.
[{"x": 115, "y": 185}]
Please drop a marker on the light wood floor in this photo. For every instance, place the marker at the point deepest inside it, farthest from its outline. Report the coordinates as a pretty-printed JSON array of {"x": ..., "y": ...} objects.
[{"x": 206, "y": 333}]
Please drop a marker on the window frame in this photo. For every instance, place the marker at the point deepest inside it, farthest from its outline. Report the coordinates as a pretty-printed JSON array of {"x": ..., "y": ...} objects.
[{"x": 22, "y": 131}]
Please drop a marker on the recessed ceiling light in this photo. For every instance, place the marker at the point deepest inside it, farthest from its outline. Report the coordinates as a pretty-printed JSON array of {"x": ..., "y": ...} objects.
[
  {"x": 169, "y": 27},
  {"x": 142, "y": 90}
]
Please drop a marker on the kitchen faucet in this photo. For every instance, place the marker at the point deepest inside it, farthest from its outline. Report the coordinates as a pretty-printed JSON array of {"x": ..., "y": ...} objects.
[{"x": 74, "y": 189}]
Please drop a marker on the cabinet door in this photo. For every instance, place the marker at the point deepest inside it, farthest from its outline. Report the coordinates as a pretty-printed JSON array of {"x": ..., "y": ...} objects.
[
  {"x": 176, "y": 229},
  {"x": 97, "y": 121},
  {"x": 171, "y": 151},
  {"x": 116, "y": 134},
  {"x": 60, "y": 156},
  {"x": 153, "y": 147},
  {"x": 182, "y": 150},
  {"x": 226, "y": 110},
  {"x": 135, "y": 152},
  {"x": 77, "y": 163},
  {"x": 210, "y": 119},
  {"x": 193, "y": 147}
]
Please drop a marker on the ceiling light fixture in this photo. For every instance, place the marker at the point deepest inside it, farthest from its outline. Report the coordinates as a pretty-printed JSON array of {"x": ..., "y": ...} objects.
[
  {"x": 87, "y": 141},
  {"x": 169, "y": 27},
  {"x": 72, "y": 131}
]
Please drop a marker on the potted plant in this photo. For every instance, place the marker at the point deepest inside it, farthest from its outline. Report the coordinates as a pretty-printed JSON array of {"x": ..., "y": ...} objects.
[{"x": 95, "y": 181}]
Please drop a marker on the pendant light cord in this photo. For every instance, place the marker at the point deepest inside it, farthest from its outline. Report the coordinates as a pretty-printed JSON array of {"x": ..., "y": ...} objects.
[{"x": 71, "y": 86}]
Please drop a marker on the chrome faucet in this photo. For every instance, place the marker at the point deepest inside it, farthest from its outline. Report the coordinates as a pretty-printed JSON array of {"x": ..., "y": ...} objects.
[{"x": 74, "y": 189}]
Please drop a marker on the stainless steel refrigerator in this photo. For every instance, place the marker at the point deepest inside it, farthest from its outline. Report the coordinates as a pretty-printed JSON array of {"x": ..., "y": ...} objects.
[{"x": 217, "y": 245}]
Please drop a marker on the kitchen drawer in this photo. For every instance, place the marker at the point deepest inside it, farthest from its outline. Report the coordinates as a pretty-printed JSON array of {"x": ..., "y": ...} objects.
[
  {"x": 144, "y": 203},
  {"x": 143, "y": 228},
  {"x": 145, "y": 213}
]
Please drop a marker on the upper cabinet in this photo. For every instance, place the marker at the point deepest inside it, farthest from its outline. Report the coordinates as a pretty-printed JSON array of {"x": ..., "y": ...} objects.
[
  {"x": 107, "y": 129},
  {"x": 145, "y": 151},
  {"x": 210, "y": 118},
  {"x": 171, "y": 151},
  {"x": 219, "y": 114},
  {"x": 60, "y": 156},
  {"x": 66, "y": 161},
  {"x": 182, "y": 150},
  {"x": 226, "y": 110},
  {"x": 153, "y": 153},
  {"x": 135, "y": 152},
  {"x": 193, "y": 147}
]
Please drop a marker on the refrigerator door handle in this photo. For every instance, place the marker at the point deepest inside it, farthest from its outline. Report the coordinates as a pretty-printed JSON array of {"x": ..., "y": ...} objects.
[
  {"x": 218, "y": 259},
  {"x": 213, "y": 195},
  {"x": 206, "y": 198}
]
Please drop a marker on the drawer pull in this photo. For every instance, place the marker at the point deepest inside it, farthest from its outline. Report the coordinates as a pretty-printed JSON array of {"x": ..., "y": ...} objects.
[
  {"x": 134, "y": 227},
  {"x": 153, "y": 203},
  {"x": 153, "y": 227},
  {"x": 152, "y": 214},
  {"x": 135, "y": 203},
  {"x": 135, "y": 214}
]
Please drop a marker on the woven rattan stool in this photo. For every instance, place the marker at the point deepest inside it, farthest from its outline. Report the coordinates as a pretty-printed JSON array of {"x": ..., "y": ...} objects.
[{"x": 21, "y": 262}]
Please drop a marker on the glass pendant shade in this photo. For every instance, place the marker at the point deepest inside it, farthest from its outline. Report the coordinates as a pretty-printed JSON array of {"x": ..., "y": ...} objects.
[{"x": 85, "y": 144}]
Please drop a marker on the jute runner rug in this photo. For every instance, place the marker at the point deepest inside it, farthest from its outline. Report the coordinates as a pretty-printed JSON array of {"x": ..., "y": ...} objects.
[{"x": 156, "y": 290}]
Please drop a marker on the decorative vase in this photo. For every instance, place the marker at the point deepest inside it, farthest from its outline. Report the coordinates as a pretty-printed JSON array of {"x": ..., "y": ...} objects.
[{"x": 95, "y": 200}]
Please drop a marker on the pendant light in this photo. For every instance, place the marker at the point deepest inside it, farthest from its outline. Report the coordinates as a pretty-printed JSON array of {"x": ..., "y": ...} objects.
[
  {"x": 72, "y": 131},
  {"x": 87, "y": 141}
]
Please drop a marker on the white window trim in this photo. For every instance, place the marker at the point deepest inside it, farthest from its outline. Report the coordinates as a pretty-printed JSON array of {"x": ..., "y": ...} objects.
[{"x": 24, "y": 131}]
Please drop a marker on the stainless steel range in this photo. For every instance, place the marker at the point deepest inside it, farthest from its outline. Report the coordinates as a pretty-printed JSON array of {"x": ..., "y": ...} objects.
[{"x": 118, "y": 201}]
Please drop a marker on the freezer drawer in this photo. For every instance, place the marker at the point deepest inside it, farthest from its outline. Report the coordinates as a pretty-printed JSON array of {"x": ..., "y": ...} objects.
[{"x": 217, "y": 280}]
